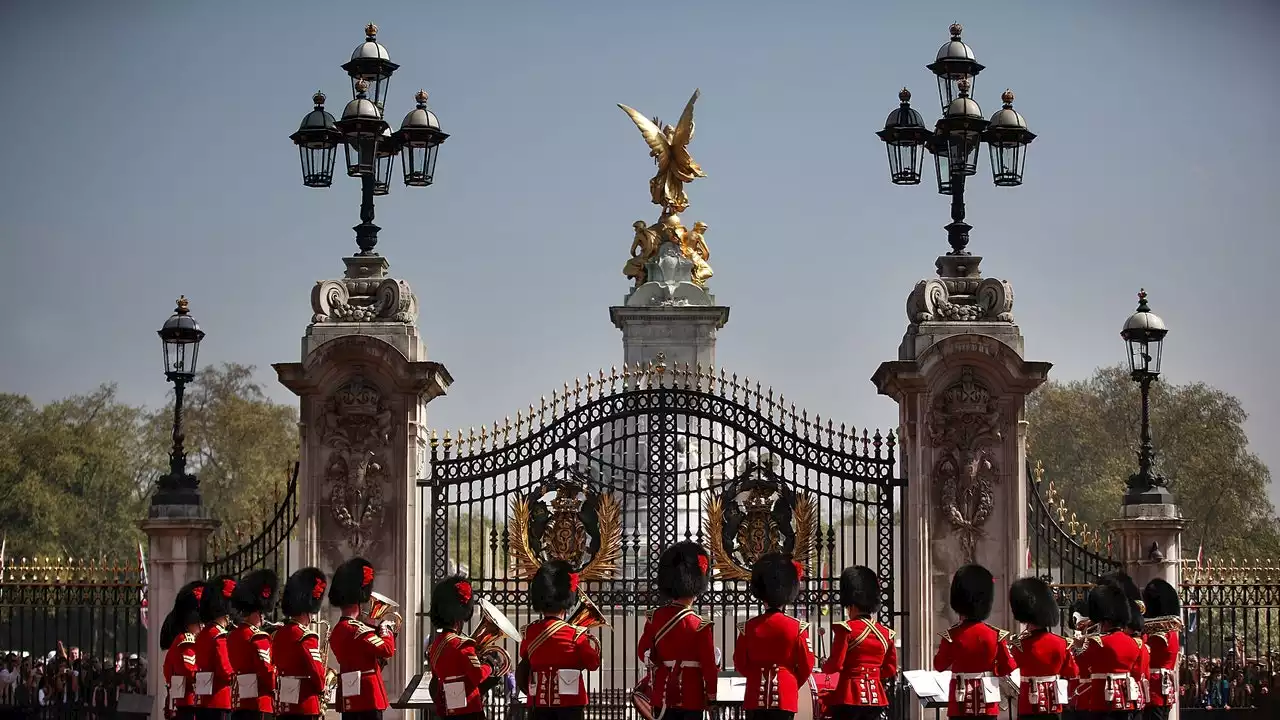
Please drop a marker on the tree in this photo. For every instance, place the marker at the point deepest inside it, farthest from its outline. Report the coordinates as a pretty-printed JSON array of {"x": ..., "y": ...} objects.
[
  {"x": 1086, "y": 434},
  {"x": 240, "y": 444},
  {"x": 72, "y": 475}
]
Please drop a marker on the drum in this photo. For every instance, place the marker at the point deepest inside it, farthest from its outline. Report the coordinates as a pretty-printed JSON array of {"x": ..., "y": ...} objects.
[
  {"x": 825, "y": 684},
  {"x": 640, "y": 697},
  {"x": 807, "y": 702}
]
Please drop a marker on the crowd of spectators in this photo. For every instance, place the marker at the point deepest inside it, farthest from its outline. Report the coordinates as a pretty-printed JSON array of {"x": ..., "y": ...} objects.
[
  {"x": 64, "y": 683},
  {"x": 1230, "y": 682}
]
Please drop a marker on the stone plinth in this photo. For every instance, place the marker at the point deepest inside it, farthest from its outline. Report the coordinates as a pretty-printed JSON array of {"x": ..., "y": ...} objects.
[
  {"x": 176, "y": 543},
  {"x": 1149, "y": 539},
  {"x": 363, "y": 386},
  {"x": 961, "y": 402},
  {"x": 680, "y": 334}
]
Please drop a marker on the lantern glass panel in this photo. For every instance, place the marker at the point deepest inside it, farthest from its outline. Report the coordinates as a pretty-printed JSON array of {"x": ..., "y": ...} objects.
[
  {"x": 419, "y": 160},
  {"x": 905, "y": 160},
  {"x": 317, "y": 164},
  {"x": 1008, "y": 160},
  {"x": 1144, "y": 354},
  {"x": 361, "y": 155},
  {"x": 384, "y": 167},
  {"x": 379, "y": 82},
  {"x": 949, "y": 87}
]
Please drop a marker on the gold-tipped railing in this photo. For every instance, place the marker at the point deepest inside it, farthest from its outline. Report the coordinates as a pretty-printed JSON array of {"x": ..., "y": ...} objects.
[{"x": 1096, "y": 539}]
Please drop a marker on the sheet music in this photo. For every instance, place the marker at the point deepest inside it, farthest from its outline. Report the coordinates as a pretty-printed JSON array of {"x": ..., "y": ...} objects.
[
  {"x": 422, "y": 693},
  {"x": 929, "y": 685},
  {"x": 731, "y": 689}
]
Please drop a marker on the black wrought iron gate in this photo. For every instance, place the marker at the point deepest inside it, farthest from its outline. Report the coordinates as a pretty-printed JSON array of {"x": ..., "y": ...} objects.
[{"x": 609, "y": 472}]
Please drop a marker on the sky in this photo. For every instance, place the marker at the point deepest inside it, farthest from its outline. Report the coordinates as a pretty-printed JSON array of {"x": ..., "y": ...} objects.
[{"x": 165, "y": 168}]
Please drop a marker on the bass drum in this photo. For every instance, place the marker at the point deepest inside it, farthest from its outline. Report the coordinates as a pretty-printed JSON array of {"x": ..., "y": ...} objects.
[
  {"x": 825, "y": 684},
  {"x": 807, "y": 703}
]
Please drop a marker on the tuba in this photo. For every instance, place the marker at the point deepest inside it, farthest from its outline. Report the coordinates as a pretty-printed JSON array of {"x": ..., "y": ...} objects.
[
  {"x": 383, "y": 608},
  {"x": 494, "y": 627},
  {"x": 587, "y": 615}
]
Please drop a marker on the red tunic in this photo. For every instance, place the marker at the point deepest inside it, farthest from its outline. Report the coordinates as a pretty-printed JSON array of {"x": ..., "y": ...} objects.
[
  {"x": 180, "y": 662},
  {"x": 974, "y": 652},
  {"x": 454, "y": 663},
  {"x": 863, "y": 653},
  {"x": 359, "y": 648},
  {"x": 681, "y": 649},
  {"x": 773, "y": 654},
  {"x": 1165, "y": 645},
  {"x": 1106, "y": 665},
  {"x": 249, "y": 649},
  {"x": 1140, "y": 672},
  {"x": 557, "y": 653},
  {"x": 211, "y": 657},
  {"x": 295, "y": 650},
  {"x": 1043, "y": 658}
]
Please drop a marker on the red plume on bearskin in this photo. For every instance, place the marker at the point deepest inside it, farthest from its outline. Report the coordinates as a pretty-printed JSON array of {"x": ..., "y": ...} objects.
[
  {"x": 351, "y": 584},
  {"x": 303, "y": 592},
  {"x": 256, "y": 592},
  {"x": 186, "y": 606},
  {"x": 451, "y": 602},
  {"x": 682, "y": 571},
  {"x": 215, "y": 600}
]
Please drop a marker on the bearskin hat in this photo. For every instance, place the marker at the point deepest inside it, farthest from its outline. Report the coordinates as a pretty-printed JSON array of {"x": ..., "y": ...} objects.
[
  {"x": 775, "y": 579},
  {"x": 1125, "y": 584},
  {"x": 1108, "y": 604},
  {"x": 258, "y": 591},
  {"x": 452, "y": 602},
  {"x": 1161, "y": 599},
  {"x": 186, "y": 606},
  {"x": 168, "y": 631},
  {"x": 352, "y": 583},
  {"x": 215, "y": 598},
  {"x": 1032, "y": 602},
  {"x": 973, "y": 591},
  {"x": 303, "y": 592},
  {"x": 684, "y": 570},
  {"x": 860, "y": 589},
  {"x": 554, "y": 588}
]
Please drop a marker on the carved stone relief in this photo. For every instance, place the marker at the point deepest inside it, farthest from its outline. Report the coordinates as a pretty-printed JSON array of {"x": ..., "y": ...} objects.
[
  {"x": 356, "y": 427},
  {"x": 965, "y": 299},
  {"x": 964, "y": 422}
]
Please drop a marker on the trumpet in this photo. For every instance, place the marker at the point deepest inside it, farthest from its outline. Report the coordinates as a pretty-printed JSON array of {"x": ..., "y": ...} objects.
[
  {"x": 494, "y": 627},
  {"x": 587, "y": 615},
  {"x": 384, "y": 609}
]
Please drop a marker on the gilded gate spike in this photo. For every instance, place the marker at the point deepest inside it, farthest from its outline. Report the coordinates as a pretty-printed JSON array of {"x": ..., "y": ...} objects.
[{"x": 1039, "y": 472}]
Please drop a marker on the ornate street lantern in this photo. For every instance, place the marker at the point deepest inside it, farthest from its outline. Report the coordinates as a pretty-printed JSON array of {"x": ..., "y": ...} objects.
[
  {"x": 1144, "y": 333},
  {"x": 386, "y": 153},
  {"x": 1007, "y": 137},
  {"x": 905, "y": 137},
  {"x": 419, "y": 138},
  {"x": 954, "y": 62},
  {"x": 960, "y": 133},
  {"x": 371, "y": 63},
  {"x": 181, "y": 336},
  {"x": 361, "y": 127},
  {"x": 317, "y": 139}
]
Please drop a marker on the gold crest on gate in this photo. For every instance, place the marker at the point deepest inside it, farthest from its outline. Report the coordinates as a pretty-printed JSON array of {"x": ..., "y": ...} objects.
[
  {"x": 563, "y": 518},
  {"x": 758, "y": 513}
]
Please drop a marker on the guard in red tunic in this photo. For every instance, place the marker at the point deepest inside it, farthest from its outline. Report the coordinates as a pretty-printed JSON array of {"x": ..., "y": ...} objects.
[
  {"x": 1044, "y": 659},
  {"x": 1163, "y": 628},
  {"x": 1083, "y": 628},
  {"x": 213, "y": 666},
  {"x": 677, "y": 644},
  {"x": 772, "y": 650},
  {"x": 459, "y": 677},
  {"x": 862, "y": 651},
  {"x": 249, "y": 646},
  {"x": 553, "y": 653},
  {"x": 359, "y": 649},
  {"x": 180, "y": 660},
  {"x": 295, "y": 649},
  {"x": 976, "y": 653},
  {"x": 1107, "y": 659},
  {"x": 1135, "y": 629}
]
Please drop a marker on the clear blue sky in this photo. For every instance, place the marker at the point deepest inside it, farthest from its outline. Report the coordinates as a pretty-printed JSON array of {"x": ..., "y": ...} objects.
[{"x": 147, "y": 155}]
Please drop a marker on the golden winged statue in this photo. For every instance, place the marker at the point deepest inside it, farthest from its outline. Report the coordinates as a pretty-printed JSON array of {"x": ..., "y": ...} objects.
[{"x": 669, "y": 148}]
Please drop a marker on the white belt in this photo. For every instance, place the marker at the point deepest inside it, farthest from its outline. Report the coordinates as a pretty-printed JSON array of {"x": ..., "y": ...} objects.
[
  {"x": 971, "y": 676},
  {"x": 1161, "y": 671},
  {"x": 1037, "y": 679},
  {"x": 682, "y": 663},
  {"x": 1110, "y": 676}
]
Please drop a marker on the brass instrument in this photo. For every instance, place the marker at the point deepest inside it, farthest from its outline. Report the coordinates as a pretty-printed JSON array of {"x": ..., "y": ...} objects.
[
  {"x": 329, "y": 696},
  {"x": 587, "y": 615},
  {"x": 269, "y": 627},
  {"x": 489, "y": 634},
  {"x": 383, "y": 609}
]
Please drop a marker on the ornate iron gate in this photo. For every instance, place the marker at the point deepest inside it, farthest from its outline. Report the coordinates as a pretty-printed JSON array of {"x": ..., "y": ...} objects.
[
  {"x": 1063, "y": 552},
  {"x": 608, "y": 473}
]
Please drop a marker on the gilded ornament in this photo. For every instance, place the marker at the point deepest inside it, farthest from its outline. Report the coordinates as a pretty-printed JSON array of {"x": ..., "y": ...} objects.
[
  {"x": 669, "y": 148},
  {"x": 580, "y": 526},
  {"x": 758, "y": 513}
]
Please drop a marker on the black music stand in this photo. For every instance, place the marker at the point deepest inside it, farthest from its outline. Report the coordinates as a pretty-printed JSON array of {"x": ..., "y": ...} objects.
[{"x": 134, "y": 705}]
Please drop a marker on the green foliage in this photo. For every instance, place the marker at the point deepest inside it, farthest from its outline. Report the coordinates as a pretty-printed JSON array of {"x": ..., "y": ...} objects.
[
  {"x": 76, "y": 475},
  {"x": 1086, "y": 434},
  {"x": 72, "y": 481}
]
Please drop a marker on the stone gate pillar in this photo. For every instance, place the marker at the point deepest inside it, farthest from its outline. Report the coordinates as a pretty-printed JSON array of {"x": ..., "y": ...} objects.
[
  {"x": 364, "y": 383},
  {"x": 960, "y": 383},
  {"x": 177, "y": 536}
]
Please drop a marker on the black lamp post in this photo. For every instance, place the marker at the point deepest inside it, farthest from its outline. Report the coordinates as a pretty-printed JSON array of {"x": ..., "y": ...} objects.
[
  {"x": 957, "y": 138},
  {"x": 370, "y": 148},
  {"x": 1144, "y": 333},
  {"x": 180, "y": 336}
]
